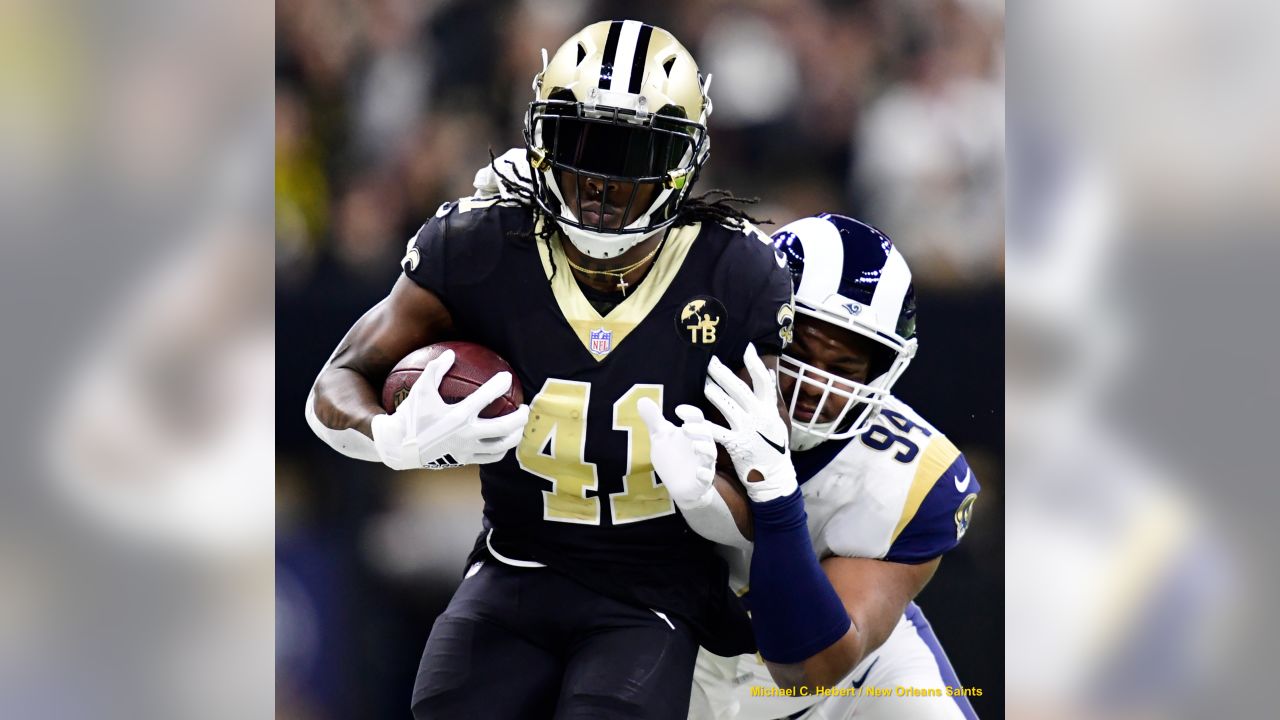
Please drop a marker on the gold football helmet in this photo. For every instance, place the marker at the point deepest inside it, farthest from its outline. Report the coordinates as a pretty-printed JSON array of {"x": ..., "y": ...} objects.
[{"x": 616, "y": 134}]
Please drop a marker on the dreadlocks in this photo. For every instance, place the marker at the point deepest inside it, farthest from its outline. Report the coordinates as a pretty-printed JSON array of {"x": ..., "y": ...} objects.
[
  {"x": 524, "y": 196},
  {"x": 720, "y": 210}
]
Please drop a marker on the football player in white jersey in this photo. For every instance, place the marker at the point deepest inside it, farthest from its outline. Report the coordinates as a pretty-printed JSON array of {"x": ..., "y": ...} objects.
[{"x": 881, "y": 493}]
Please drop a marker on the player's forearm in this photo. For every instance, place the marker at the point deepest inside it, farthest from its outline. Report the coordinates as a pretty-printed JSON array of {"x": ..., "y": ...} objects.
[
  {"x": 825, "y": 668},
  {"x": 340, "y": 409},
  {"x": 875, "y": 593},
  {"x": 716, "y": 520},
  {"x": 345, "y": 395},
  {"x": 345, "y": 399},
  {"x": 735, "y": 500},
  {"x": 795, "y": 611}
]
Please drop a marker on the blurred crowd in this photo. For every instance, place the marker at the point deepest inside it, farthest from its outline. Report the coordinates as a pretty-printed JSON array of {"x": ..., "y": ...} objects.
[{"x": 887, "y": 110}]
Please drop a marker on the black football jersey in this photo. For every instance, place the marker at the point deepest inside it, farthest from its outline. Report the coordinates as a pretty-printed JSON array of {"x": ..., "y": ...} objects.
[{"x": 579, "y": 494}]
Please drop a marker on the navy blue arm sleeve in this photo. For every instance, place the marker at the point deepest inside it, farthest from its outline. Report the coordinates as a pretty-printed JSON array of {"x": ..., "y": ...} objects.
[{"x": 794, "y": 610}]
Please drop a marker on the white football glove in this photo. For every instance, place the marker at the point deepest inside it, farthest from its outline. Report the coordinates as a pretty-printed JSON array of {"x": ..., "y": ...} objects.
[
  {"x": 684, "y": 457},
  {"x": 427, "y": 432},
  {"x": 757, "y": 439}
]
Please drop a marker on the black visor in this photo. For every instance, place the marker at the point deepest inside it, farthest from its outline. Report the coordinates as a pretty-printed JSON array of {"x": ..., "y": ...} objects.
[{"x": 612, "y": 146}]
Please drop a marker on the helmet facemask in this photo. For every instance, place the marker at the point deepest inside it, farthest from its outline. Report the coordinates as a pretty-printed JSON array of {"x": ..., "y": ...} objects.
[
  {"x": 616, "y": 164},
  {"x": 845, "y": 407}
]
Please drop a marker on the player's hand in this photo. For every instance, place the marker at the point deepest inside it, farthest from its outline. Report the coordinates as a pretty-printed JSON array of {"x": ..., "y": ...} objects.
[
  {"x": 757, "y": 439},
  {"x": 684, "y": 457},
  {"x": 427, "y": 432}
]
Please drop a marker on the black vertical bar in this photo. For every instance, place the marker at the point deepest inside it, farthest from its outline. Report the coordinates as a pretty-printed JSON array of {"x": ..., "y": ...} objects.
[
  {"x": 637, "y": 64},
  {"x": 610, "y": 55}
]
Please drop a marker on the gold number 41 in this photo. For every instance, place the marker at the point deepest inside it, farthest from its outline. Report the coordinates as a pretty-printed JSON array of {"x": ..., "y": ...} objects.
[{"x": 558, "y": 422}]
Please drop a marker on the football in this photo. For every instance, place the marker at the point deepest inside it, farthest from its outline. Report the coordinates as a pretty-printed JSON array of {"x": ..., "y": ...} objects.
[{"x": 472, "y": 365}]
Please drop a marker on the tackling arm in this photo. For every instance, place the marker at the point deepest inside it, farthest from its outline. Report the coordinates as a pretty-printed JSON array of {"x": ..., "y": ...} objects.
[
  {"x": 813, "y": 622},
  {"x": 875, "y": 593},
  {"x": 704, "y": 487},
  {"x": 732, "y": 505}
]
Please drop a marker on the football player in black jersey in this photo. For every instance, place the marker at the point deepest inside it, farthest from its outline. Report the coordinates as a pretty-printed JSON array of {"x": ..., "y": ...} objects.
[{"x": 609, "y": 290}]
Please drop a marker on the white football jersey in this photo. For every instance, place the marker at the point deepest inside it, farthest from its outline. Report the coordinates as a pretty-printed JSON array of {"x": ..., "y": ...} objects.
[{"x": 902, "y": 492}]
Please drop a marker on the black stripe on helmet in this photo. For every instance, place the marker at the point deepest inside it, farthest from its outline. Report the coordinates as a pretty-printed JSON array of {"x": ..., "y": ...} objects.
[
  {"x": 610, "y": 55},
  {"x": 638, "y": 62}
]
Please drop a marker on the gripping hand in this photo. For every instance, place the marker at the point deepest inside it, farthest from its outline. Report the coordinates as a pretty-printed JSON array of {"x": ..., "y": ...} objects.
[
  {"x": 427, "y": 432},
  {"x": 757, "y": 439}
]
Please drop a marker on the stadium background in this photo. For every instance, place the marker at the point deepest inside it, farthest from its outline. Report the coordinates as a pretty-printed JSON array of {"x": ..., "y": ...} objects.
[{"x": 890, "y": 110}]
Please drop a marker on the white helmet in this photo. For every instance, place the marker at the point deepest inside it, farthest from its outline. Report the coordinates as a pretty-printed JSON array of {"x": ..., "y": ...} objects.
[
  {"x": 619, "y": 102},
  {"x": 849, "y": 275}
]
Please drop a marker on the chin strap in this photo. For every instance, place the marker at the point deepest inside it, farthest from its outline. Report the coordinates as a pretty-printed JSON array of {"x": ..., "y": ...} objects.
[
  {"x": 603, "y": 246},
  {"x": 801, "y": 440}
]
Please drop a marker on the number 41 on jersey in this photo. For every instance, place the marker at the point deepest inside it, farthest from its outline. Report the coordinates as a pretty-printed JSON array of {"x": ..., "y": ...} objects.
[{"x": 558, "y": 421}]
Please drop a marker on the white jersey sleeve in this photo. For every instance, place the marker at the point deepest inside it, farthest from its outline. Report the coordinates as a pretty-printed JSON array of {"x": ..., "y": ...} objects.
[{"x": 901, "y": 491}]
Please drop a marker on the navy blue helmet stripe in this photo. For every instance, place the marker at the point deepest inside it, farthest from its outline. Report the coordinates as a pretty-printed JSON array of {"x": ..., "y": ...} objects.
[
  {"x": 638, "y": 63},
  {"x": 610, "y": 55},
  {"x": 863, "y": 261},
  {"x": 854, "y": 262}
]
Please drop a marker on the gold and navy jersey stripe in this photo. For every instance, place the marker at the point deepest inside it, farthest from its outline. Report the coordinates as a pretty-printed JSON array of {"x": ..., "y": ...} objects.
[{"x": 938, "y": 507}]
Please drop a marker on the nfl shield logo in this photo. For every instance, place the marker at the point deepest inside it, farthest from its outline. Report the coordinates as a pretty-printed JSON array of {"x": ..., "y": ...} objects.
[{"x": 601, "y": 341}]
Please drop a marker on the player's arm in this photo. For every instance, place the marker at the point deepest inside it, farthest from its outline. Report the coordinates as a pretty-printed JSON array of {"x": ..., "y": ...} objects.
[
  {"x": 345, "y": 394},
  {"x": 874, "y": 594},
  {"x": 796, "y": 613},
  {"x": 424, "y": 432}
]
